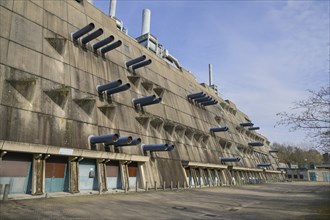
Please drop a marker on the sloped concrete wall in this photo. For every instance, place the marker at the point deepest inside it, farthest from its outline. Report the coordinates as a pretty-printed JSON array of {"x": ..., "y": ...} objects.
[{"x": 48, "y": 95}]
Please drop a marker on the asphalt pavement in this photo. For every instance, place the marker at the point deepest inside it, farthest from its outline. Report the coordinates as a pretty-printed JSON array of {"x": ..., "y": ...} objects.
[{"x": 289, "y": 200}]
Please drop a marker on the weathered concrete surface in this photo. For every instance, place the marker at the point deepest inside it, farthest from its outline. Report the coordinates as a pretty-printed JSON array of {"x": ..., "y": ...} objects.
[{"x": 299, "y": 200}]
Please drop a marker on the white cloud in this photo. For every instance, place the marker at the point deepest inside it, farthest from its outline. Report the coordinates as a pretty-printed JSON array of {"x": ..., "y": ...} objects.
[
  {"x": 294, "y": 60},
  {"x": 264, "y": 54}
]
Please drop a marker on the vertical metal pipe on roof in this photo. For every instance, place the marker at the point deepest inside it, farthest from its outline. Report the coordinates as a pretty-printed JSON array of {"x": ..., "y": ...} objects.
[
  {"x": 112, "y": 8},
  {"x": 210, "y": 75},
  {"x": 146, "y": 14}
]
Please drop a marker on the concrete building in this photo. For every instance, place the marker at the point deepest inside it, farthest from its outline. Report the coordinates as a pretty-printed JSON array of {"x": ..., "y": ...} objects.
[{"x": 80, "y": 112}]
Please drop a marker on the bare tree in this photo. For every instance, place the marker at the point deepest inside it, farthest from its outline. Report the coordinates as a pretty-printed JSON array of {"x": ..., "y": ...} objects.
[
  {"x": 295, "y": 154},
  {"x": 313, "y": 116}
]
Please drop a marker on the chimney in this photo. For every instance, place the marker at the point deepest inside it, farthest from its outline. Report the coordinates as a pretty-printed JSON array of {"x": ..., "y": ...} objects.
[
  {"x": 145, "y": 21},
  {"x": 210, "y": 75},
  {"x": 112, "y": 8}
]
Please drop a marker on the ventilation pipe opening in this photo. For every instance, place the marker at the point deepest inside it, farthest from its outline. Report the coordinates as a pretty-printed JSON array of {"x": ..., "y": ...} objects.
[
  {"x": 264, "y": 165},
  {"x": 229, "y": 159},
  {"x": 196, "y": 95},
  {"x": 122, "y": 142},
  {"x": 255, "y": 144},
  {"x": 110, "y": 47},
  {"x": 82, "y": 31},
  {"x": 141, "y": 64},
  {"x": 157, "y": 147},
  {"x": 118, "y": 89},
  {"x": 110, "y": 85},
  {"x": 93, "y": 140},
  {"x": 103, "y": 42},
  {"x": 222, "y": 129},
  {"x": 135, "y": 60},
  {"x": 92, "y": 36},
  {"x": 246, "y": 124}
]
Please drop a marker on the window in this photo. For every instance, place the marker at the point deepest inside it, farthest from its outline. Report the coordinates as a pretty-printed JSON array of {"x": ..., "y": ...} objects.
[
  {"x": 301, "y": 176},
  {"x": 289, "y": 176},
  {"x": 126, "y": 48},
  {"x": 295, "y": 176}
]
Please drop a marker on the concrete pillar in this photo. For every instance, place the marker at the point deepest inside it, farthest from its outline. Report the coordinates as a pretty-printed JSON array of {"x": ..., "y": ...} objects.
[
  {"x": 140, "y": 178},
  {"x": 38, "y": 175},
  {"x": 102, "y": 175},
  {"x": 6, "y": 192},
  {"x": 74, "y": 175},
  {"x": 124, "y": 174}
]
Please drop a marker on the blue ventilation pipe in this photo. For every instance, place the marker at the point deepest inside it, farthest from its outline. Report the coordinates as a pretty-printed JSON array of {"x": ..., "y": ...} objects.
[
  {"x": 103, "y": 42},
  {"x": 102, "y": 139},
  {"x": 141, "y": 64},
  {"x": 123, "y": 142},
  {"x": 222, "y": 129},
  {"x": 118, "y": 89},
  {"x": 196, "y": 95},
  {"x": 155, "y": 101},
  {"x": 83, "y": 31},
  {"x": 110, "y": 47},
  {"x": 230, "y": 159},
  {"x": 264, "y": 165},
  {"x": 157, "y": 147},
  {"x": 203, "y": 99},
  {"x": 255, "y": 144},
  {"x": 254, "y": 128},
  {"x": 92, "y": 36},
  {"x": 246, "y": 124},
  {"x": 213, "y": 102},
  {"x": 143, "y": 100},
  {"x": 110, "y": 85},
  {"x": 136, "y": 60}
]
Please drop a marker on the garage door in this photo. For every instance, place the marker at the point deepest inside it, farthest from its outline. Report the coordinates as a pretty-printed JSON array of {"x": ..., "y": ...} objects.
[
  {"x": 132, "y": 173},
  {"x": 113, "y": 175},
  {"x": 88, "y": 175},
  {"x": 15, "y": 170},
  {"x": 56, "y": 174}
]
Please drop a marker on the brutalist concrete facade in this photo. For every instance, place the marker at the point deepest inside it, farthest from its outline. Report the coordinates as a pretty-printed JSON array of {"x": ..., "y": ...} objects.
[{"x": 49, "y": 107}]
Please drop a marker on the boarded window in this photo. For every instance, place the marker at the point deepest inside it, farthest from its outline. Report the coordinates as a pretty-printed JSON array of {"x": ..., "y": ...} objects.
[
  {"x": 132, "y": 169},
  {"x": 15, "y": 165},
  {"x": 55, "y": 167},
  {"x": 112, "y": 169}
]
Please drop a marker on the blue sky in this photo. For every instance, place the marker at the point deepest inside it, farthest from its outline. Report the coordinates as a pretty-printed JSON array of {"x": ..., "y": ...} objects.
[{"x": 265, "y": 54}]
